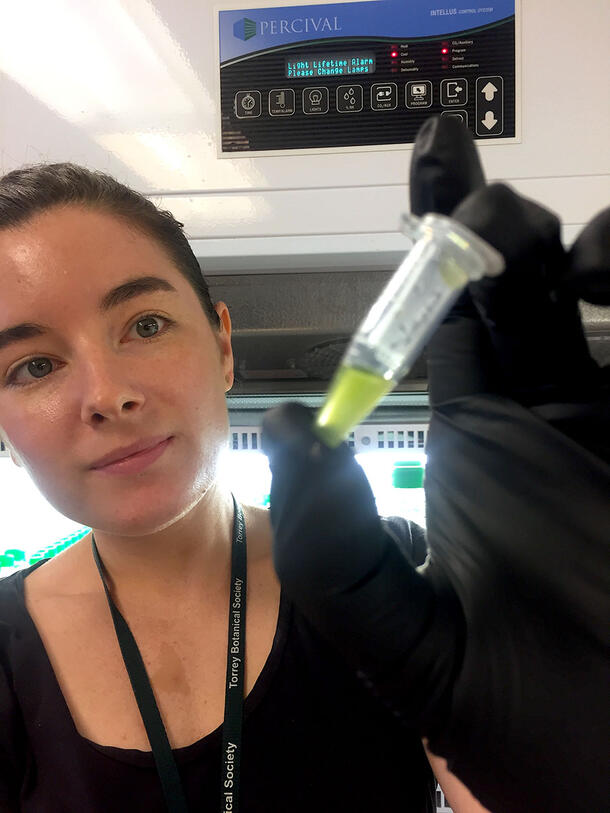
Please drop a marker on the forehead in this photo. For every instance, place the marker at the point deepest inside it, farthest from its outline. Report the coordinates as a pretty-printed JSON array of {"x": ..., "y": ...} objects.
[{"x": 69, "y": 254}]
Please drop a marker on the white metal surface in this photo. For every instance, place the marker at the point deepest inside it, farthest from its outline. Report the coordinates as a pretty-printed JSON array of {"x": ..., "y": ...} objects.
[{"x": 129, "y": 87}]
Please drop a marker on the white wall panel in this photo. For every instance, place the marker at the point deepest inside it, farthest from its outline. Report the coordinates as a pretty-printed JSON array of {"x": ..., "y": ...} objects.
[
  {"x": 356, "y": 209},
  {"x": 129, "y": 87}
]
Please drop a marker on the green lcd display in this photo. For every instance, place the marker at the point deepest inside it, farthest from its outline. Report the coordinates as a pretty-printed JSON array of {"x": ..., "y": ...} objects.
[{"x": 335, "y": 64}]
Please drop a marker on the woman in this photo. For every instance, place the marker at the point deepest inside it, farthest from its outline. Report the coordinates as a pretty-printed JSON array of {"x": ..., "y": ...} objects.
[{"x": 108, "y": 338}]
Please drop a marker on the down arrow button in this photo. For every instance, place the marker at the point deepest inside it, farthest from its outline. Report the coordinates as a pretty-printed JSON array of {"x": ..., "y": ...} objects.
[{"x": 490, "y": 120}]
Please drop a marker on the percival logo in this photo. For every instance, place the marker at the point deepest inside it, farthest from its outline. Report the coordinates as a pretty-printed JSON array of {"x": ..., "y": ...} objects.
[{"x": 244, "y": 29}]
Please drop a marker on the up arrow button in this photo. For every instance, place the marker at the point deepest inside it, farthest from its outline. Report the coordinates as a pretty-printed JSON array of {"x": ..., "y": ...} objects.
[
  {"x": 490, "y": 106},
  {"x": 489, "y": 91}
]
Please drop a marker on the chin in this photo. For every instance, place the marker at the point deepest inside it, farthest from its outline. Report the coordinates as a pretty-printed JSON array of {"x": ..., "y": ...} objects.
[{"x": 145, "y": 514}]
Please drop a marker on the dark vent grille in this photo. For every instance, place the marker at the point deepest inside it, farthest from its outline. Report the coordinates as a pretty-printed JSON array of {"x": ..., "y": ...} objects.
[
  {"x": 246, "y": 438},
  {"x": 367, "y": 437}
]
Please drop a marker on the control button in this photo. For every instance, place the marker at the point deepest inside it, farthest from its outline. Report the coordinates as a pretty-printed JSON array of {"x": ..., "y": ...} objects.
[
  {"x": 281, "y": 102},
  {"x": 248, "y": 104},
  {"x": 490, "y": 105},
  {"x": 462, "y": 115},
  {"x": 349, "y": 98},
  {"x": 384, "y": 96},
  {"x": 454, "y": 92},
  {"x": 418, "y": 94},
  {"x": 315, "y": 101}
]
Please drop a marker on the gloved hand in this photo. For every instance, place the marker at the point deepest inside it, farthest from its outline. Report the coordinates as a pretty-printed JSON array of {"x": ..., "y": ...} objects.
[
  {"x": 494, "y": 649},
  {"x": 518, "y": 512}
]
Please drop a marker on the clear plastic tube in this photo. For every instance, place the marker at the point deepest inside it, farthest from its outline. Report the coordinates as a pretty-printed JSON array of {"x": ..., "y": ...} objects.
[{"x": 445, "y": 257}]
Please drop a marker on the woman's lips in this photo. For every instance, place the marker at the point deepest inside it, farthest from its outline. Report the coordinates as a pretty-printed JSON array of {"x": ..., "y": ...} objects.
[{"x": 136, "y": 462}]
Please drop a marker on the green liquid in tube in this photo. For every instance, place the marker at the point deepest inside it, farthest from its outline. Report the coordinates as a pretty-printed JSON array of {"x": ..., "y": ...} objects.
[{"x": 353, "y": 394}]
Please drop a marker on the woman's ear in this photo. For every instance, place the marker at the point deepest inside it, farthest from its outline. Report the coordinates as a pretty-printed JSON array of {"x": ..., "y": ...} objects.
[{"x": 223, "y": 336}]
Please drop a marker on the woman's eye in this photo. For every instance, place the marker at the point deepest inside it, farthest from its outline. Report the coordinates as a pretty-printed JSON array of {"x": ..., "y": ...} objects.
[
  {"x": 146, "y": 325},
  {"x": 39, "y": 367}
]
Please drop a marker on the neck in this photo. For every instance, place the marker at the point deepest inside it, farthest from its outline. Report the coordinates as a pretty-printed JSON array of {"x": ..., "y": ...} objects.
[{"x": 188, "y": 558}]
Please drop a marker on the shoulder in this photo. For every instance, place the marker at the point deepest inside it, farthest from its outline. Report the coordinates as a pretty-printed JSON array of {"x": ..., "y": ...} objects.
[
  {"x": 12, "y": 597},
  {"x": 258, "y": 532},
  {"x": 69, "y": 574},
  {"x": 13, "y": 615},
  {"x": 409, "y": 537},
  {"x": 13, "y": 623}
]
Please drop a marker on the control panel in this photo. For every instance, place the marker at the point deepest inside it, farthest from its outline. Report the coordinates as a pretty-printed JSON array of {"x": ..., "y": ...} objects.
[{"x": 363, "y": 74}]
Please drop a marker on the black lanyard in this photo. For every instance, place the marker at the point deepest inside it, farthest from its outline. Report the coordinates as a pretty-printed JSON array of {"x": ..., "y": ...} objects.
[{"x": 234, "y": 691}]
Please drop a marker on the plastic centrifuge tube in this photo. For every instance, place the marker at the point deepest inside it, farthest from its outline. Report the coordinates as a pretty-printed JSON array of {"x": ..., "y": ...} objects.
[{"x": 444, "y": 258}]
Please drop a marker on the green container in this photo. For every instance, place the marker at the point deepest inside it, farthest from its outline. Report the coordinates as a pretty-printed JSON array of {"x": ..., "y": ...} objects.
[
  {"x": 408, "y": 474},
  {"x": 18, "y": 555},
  {"x": 70, "y": 540},
  {"x": 48, "y": 552},
  {"x": 7, "y": 564}
]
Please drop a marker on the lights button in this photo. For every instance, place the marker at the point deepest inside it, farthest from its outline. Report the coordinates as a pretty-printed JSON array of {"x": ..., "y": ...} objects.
[{"x": 315, "y": 101}]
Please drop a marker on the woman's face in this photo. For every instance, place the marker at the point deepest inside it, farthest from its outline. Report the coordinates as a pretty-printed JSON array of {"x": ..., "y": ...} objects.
[{"x": 97, "y": 382}]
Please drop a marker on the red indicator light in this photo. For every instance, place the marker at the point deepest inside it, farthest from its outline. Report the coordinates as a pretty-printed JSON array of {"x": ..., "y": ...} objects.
[
  {"x": 444, "y": 50},
  {"x": 394, "y": 54}
]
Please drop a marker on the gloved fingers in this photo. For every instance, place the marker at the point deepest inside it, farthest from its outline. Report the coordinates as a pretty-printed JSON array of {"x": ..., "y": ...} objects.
[
  {"x": 588, "y": 271},
  {"x": 535, "y": 329},
  {"x": 512, "y": 501},
  {"x": 460, "y": 356},
  {"x": 291, "y": 444},
  {"x": 520, "y": 229},
  {"x": 445, "y": 166},
  {"x": 327, "y": 534},
  {"x": 288, "y": 428}
]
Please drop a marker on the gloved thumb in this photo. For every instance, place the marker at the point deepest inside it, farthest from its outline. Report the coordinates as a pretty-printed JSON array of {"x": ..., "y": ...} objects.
[{"x": 445, "y": 166}]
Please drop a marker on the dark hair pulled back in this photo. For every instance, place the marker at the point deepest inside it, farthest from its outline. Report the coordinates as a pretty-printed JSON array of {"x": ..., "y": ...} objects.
[{"x": 31, "y": 190}]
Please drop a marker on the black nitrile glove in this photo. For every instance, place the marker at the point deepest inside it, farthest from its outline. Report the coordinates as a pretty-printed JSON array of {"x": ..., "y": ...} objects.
[
  {"x": 533, "y": 323},
  {"x": 494, "y": 649},
  {"x": 587, "y": 273},
  {"x": 437, "y": 181},
  {"x": 518, "y": 509},
  {"x": 334, "y": 558}
]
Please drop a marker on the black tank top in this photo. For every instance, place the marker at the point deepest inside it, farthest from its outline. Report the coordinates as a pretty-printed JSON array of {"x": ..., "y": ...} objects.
[{"x": 314, "y": 738}]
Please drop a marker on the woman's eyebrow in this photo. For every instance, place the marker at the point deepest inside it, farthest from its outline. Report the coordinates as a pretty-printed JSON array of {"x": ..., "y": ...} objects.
[{"x": 117, "y": 296}]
